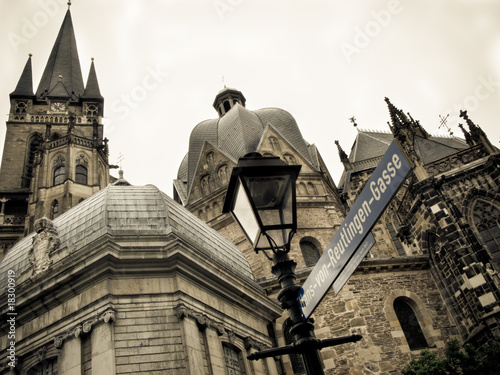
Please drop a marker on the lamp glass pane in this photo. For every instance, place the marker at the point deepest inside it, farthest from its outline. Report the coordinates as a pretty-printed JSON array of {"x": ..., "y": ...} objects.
[
  {"x": 244, "y": 214},
  {"x": 272, "y": 198}
]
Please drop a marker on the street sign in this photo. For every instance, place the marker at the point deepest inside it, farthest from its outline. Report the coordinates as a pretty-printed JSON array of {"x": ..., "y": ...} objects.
[{"x": 334, "y": 266}]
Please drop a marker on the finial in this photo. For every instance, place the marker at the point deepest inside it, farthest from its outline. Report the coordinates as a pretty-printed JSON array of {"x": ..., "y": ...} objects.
[
  {"x": 69, "y": 4},
  {"x": 463, "y": 114},
  {"x": 342, "y": 154},
  {"x": 92, "y": 59},
  {"x": 60, "y": 77},
  {"x": 30, "y": 54},
  {"x": 223, "y": 83},
  {"x": 353, "y": 121}
]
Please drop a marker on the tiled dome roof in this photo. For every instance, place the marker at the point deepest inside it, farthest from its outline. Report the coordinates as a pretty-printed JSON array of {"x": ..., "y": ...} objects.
[
  {"x": 239, "y": 132},
  {"x": 131, "y": 211}
]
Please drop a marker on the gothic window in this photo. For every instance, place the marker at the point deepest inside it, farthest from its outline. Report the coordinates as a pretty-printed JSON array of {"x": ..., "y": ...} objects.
[
  {"x": 81, "y": 175},
  {"x": 274, "y": 144},
  {"x": 310, "y": 252},
  {"x": 233, "y": 359},
  {"x": 91, "y": 109},
  {"x": 222, "y": 172},
  {"x": 295, "y": 359},
  {"x": 289, "y": 159},
  {"x": 21, "y": 107},
  {"x": 59, "y": 173},
  {"x": 410, "y": 325},
  {"x": 227, "y": 106},
  {"x": 54, "y": 210},
  {"x": 46, "y": 367},
  {"x": 30, "y": 160},
  {"x": 486, "y": 220}
]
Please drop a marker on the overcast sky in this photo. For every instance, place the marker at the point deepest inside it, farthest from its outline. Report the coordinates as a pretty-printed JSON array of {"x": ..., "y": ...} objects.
[{"x": 160, "y": 65}]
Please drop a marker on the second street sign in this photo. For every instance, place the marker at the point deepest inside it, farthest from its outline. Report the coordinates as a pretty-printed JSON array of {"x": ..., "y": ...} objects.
[{"x": 334, "y": 266}]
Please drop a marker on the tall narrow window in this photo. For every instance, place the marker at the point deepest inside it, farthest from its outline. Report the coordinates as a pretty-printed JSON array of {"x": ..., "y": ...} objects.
[
  {"x": 227, "y": 106},
  {"x": 81, "y": 175},
  {"x": 486, "y": 218},
  {"x": 233, "y": 359},
  {"x": 59, "y": 173},
  {"x": 54, "y": 210},
  {"x": 410, "y": 325}
]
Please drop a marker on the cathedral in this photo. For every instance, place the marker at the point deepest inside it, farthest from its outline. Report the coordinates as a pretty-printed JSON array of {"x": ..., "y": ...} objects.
[{"x": 102, "y": 277}]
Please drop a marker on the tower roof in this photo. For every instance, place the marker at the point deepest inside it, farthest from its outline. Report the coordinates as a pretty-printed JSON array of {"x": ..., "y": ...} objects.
[
  {"x": 25, "y": 85},
  {"x": 62, "y": 76},
  {"x": 92, "y": 87}
]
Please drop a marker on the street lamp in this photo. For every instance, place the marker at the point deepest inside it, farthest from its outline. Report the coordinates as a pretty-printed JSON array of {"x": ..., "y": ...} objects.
[{"x": 261, "y": 198}]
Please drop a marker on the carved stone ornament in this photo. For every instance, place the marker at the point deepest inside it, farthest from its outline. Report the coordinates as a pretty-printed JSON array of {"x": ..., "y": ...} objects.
[
  {"x": 45, "y": 241},
  {"x": 59, "y": 160},
  {"x": 82, "y": 160}
]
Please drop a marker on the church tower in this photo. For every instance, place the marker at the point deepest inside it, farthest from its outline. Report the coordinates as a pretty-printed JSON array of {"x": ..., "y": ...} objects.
[{"x": 54, "y": 154}]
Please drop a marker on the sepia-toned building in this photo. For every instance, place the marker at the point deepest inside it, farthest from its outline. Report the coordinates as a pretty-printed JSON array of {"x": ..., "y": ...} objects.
[{"x": 111, "y": 278}]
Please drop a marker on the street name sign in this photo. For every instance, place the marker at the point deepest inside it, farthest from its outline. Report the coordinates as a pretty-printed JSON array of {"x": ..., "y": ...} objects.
[{"x": 353, "y": 236}]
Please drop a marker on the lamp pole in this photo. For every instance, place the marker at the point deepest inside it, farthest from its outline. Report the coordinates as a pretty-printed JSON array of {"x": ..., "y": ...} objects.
[
  {"x": 302, "y": 332},
  {"x": 261, "y": 198}
]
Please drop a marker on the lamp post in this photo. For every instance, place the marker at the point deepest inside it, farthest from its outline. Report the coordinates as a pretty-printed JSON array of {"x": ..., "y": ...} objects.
[{"x": 261, "y": 197}]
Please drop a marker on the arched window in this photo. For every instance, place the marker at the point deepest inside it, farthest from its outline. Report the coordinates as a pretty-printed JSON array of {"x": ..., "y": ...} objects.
[
  {"x": 410, "y": 325},
  {"x": 486, "y": 221},
  {"x": 310, "y": 252},
  {"x": 59, "y": 173},
  {"x": 233, "y": 359},
  {"x": 206, "y": 185},
  {"x": 302, "y": 188},
  {"x": 54, "y": 210},
  {"x": 312, "y": 189},
  {"x": 295, "y": 359},
  {"x": 81, "y": 175},
  {"x": 222, "y": 172},
  {"x": 227, "y": 106},
  {"x": 275, "y": 145}
]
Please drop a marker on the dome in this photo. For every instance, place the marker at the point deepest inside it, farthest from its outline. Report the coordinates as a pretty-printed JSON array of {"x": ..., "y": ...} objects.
[
  {"x": 238, "y": 133},
  {"x": 131, "y": 211}
]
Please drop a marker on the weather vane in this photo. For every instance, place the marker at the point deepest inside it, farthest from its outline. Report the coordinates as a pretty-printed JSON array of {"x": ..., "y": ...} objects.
[
  {"x": 353, "y": 120},
  {"x": 443, "y": 123}
]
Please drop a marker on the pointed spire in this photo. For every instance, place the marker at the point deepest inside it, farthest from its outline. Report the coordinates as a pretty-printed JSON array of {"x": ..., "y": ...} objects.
[
  {"x": 400, "y": 121},
  {"x": 92, "y": 87},
  {"x": 342, "y": 154},
  {"x": 63, "y": 61},
  {"x": 25, "y": 85},
  {"x": 467, "y": 135}
]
